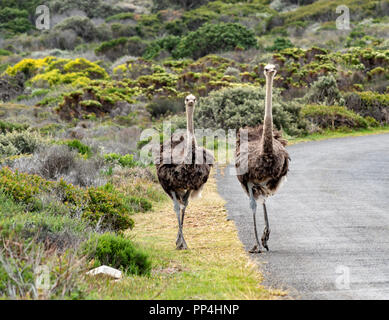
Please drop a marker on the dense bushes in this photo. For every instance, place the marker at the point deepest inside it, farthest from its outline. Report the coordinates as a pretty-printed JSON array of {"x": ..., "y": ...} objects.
[
  {"x": 117, "y": 252},
  {"x": 52, "y": 71},
  {"x": 168, "y": 43},
  {"x": 19, "y": 142},
  {"x": 100, "y": 206},
  {"x": 124, "y": 161},
  {"x": 163, "y": 106},
  {"x": 232, "y": 108},
  {"x": 370, "y": 104},
  {"x": 9, "y": 127},
  {"x": 324, "y": 90},
  {"x": 119, "y": 47},
  {"x": 280, "y": 44},
  {"x": 333, "y": 117},
  {"x": 82, "y": 26},
  {"x": 211, "y": 38},
  {"x": 80, "y": 147},
  {"x": 14, "y": 20}
]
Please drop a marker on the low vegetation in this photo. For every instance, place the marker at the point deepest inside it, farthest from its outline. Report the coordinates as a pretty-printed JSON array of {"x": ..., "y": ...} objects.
[{"x": 74, "y": 100}]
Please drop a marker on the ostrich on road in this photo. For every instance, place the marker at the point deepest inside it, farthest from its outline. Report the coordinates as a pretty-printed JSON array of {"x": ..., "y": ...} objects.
[
  {"x": 261, "y": 160},
  {"x": 183, "y": 169}
]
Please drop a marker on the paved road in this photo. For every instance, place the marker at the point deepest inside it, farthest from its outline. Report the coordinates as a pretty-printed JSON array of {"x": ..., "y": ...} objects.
[{"x": 329, "y": 222}]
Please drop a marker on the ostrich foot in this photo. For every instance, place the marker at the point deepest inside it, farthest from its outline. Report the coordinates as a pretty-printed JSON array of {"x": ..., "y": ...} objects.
[
  {"x": 255, "y": 249},
  {"x": 181, "y": 244},
  {"x": 265, "y": 238}
]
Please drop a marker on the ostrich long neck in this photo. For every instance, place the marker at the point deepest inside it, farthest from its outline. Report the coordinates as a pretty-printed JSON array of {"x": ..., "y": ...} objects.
[
  {"x": 190, "y": 127},
  {"x": 268, "y": 122}
]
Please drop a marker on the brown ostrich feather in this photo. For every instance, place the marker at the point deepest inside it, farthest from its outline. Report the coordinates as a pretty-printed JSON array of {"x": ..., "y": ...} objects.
[
  {"x": 182, "y": 171},
  {"x": 265, "y": 170}
]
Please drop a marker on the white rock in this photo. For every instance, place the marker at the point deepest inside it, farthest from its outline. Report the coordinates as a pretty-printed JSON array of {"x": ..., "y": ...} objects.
[{"x": 107, "y": 271}]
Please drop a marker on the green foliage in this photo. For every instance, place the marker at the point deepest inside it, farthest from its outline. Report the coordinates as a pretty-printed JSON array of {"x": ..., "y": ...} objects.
[
  {"x": 186, "y": 4},
  {"x": 109, "y": 45},
  {"x": 116, "y": 48},
  {"x": 98, "y": 97},
  {"x": 168, "y": 43},
  {"x": 125, "y": 161},
  {"x": 5, "y": 52},
  {"x": 280, "y": 44},
  {"x": 215, "y": 38},
  {"x": 14, "y": 20},
  {"x": 333, "y": 117},
  {"x": 323, "y": 10},
  {"x": 368, "y": 103},
  {"x": 107, "y": 209},
  {"x": 17, "y": 142},
  {"x": 164, "y": 106},
  {"x": 92, "y": 8},
  {"x": 10, "y": 127},
  {"x": 80, "y": 147},
  {"x": 324, "y": 90},
  {"x": 117, "y": 252},
  {"x": 101, "y": 207},
  {"x": 120, "y": 16},
  {"x": 232, "y": 108},
  {"x": 81, "y": 26}
]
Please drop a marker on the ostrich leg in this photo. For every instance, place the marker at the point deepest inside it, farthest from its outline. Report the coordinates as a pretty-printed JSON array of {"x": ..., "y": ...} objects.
[
  {"x": 186, "y": 201},
  {"x": 180, "y": 243},
  {"x": 253, "y": 206},
  {"x": 266, "y": 231}
]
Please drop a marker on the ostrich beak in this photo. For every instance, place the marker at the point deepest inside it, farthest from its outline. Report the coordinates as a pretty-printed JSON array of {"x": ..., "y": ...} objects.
[
  {"x": 190, "y": 101},
  {"x": 270, "y": 70}
]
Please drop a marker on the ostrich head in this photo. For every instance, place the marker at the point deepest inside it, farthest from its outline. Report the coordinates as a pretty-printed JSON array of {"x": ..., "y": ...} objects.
[
  {"x": 270, "y": 70},
  {"x": 190, "y": 101}
]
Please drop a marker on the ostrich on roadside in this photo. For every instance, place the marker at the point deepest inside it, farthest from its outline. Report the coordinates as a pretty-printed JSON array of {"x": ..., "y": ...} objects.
[
  {"x": 261, "y": 160},
  {"x": 183, "y": 169}
]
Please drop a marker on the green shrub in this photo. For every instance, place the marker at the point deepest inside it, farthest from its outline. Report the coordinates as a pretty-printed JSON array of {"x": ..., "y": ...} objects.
[
  {"x": 280, "y": 44},
  {"x": 211, "y": 38},
  {"x": 138, "y": 204},
  {"x": 164, "y": 106},
  {"x": 80, "y": 147},
  {"x": 168, "y": 43},
  {"x": 101, "y": 207},
  {"x": 5, "y": 52},
  {"x": 82, "y": 26},
  {"x": 120, "y": 16},
  {"x": 9, "y": 127},
  {"x": 125, "y": 161},
  {"x": 107, "y": 209},
  {"x": 107, "y": 47},
  {"x": 14, "y": 20},
  {"x": 368, "y": 103},
  {"x": 117, "y": 252},
  {"x": 325, "y": 91},
  {"x": 237, "y": 107},
  {"x": 333, "y": 117},
  {"x": 20, "y": 142},
  {"x": 116, "y": 48}
]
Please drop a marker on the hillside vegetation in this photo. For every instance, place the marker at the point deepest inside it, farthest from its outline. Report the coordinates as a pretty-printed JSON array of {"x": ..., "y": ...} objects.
[{"x": 75, "y": 98}]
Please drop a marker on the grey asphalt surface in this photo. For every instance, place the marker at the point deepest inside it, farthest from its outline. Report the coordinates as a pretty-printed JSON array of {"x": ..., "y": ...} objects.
[{"x": 329, "y": 222}]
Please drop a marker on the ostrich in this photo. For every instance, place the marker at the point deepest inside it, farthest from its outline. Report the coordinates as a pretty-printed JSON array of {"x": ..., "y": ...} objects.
[
  {"x": 262, "y": 161},
  {"x": 183, "y": 169}
]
